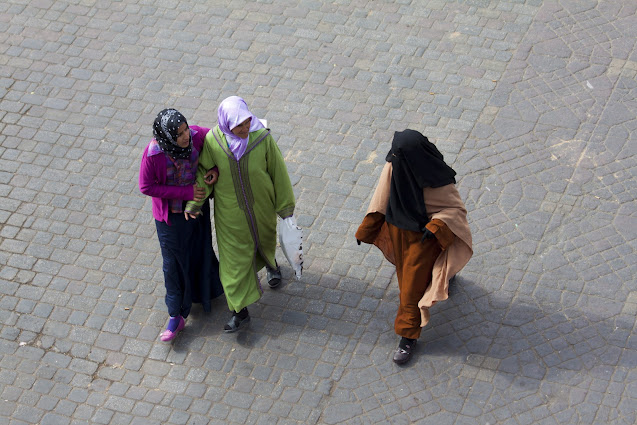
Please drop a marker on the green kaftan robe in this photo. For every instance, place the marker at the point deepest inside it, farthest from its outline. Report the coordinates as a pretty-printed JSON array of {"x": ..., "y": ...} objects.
[{"x": 247, "y": 198}]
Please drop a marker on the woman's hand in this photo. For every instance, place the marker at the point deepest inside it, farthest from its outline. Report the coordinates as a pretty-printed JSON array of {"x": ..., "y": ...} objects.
[
  {"x": 198, "y": 193},
  {"x": 211, "y": 176},
  {"x": 427, "y": 235},
  {"x": 188, "y": 215}
]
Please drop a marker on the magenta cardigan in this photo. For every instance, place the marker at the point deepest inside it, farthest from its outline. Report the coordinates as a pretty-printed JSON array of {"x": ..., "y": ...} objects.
[{"x": 152, "y": 177}]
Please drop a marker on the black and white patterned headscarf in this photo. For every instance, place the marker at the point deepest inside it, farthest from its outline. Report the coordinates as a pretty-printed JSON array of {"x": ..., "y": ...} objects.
[{"x": 165, "y": 130}]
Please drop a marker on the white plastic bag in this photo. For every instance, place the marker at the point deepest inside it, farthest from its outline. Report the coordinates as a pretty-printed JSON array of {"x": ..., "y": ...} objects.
[{"x": 291, "y": 240}]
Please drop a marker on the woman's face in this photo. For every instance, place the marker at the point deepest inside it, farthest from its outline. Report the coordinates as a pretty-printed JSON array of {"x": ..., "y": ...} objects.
[
  {"x": 242, "y": 131},
  {"x": 183, "y": 136}
]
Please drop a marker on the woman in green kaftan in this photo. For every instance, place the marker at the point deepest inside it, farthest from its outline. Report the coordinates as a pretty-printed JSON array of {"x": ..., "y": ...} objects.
[{"x": 252, "y": 189}]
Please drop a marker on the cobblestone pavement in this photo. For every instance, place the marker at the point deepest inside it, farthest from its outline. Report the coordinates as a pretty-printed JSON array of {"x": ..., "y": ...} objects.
[{"x": 533, "y": 103}]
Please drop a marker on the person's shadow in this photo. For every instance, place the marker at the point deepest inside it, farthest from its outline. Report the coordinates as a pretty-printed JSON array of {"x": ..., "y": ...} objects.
[
  {"x": 205, "y": 328},
  {"x": 477, "y": 334},
  {"x": 516, "y": 343}
]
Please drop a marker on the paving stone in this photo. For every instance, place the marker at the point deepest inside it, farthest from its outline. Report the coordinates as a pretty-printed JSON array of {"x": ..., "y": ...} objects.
[{"x": 531, "y": 103}]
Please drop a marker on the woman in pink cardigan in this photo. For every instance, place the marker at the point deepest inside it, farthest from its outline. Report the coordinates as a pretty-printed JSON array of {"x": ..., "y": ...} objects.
[{"x": 167, "y": 173}]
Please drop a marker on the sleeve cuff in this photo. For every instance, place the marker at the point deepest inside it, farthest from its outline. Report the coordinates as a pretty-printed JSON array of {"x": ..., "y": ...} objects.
[
  {"x": 192, "y": 209},
  {"x": 443, "y": 234},
  {"x": 286, "y": 212}
]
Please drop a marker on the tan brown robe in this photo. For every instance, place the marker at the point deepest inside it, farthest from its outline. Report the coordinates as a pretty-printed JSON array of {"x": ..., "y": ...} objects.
[{"x": 448, "y": 223}]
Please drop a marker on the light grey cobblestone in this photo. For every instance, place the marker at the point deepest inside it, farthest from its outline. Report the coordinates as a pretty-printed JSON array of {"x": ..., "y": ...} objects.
[{"x": 532, "y": 103}]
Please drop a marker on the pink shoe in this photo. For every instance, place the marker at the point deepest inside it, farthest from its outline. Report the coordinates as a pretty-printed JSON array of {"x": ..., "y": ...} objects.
[{"x": 168, "y": 335}]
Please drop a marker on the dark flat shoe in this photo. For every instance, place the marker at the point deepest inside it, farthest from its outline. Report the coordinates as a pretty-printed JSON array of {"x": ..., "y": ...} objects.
[
  {"x": 235, "y": 323},
  {"x": 404, "y": 351},
  {"x": 274, "y": 277}
]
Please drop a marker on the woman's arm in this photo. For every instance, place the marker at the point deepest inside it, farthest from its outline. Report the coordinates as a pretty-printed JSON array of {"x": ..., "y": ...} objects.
[
  {"x": 284, "y": 194},
  {"x": 149, "y": 181},
  {"x": 206, "y": 162}
]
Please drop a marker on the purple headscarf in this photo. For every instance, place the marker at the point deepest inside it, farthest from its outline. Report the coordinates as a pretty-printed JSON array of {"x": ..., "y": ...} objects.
[{"x": 233, "y": 111}]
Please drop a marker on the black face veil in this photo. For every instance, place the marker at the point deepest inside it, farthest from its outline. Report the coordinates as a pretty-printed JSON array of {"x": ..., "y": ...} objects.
[{"x": 416, "y": 164}]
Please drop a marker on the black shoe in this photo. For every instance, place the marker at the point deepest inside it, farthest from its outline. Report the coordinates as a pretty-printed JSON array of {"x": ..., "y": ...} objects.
[
  {"x": 237, "y": 321},
  {"x": 404, "y": 351},
  {"x": 274, "y": 276}
]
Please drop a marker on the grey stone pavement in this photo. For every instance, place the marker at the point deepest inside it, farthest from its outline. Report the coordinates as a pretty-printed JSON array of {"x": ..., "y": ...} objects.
[{"x": 533, "y": 103}]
